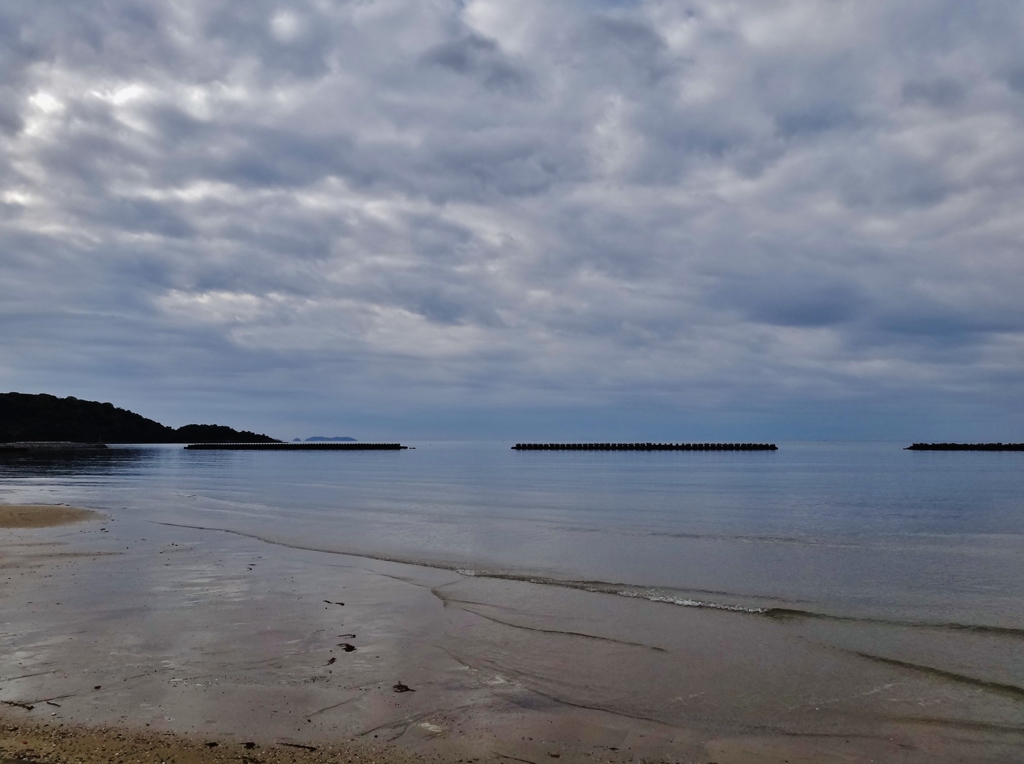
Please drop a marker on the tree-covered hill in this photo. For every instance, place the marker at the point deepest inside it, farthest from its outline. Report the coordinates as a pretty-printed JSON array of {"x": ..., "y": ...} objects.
[{"x": 25, "y": 417}]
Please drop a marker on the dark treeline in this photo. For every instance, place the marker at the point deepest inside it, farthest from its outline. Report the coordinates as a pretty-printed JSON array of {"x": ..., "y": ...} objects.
[
  {"x": 966, "y": 447},
  {"x": 34, "y": 418},
  {"x": 645, "y": 447}
]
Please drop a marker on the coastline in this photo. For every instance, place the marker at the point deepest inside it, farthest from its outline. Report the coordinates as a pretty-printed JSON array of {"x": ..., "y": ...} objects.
[{"x": 130, "y": 629}]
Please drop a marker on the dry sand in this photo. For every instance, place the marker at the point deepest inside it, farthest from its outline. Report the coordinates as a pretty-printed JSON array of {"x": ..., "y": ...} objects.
[
  {"x": 42, "y": 515},
  {"x": 51, "y": 744}
]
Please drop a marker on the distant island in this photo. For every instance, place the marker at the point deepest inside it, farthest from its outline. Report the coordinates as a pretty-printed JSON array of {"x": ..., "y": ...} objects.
[
  {"x": 31, "y": 418},
  {"x": 322, "y": 439}
]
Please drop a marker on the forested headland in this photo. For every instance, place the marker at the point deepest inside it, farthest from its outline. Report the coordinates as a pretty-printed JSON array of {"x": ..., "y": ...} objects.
[{"x": 32, "y": 418}]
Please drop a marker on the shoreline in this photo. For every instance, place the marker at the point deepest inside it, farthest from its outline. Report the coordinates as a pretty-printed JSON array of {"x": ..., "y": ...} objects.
[{"x": 180, "y": 637}]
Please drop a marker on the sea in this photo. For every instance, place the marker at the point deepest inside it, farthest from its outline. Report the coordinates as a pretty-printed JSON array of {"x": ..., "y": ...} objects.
[
  {"x": 860, "y": 530},
  {"x": 912, "y": 558}
]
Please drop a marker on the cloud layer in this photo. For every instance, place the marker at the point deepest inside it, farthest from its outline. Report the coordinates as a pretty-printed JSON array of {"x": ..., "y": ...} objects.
[{"x": 438, "y": 211}]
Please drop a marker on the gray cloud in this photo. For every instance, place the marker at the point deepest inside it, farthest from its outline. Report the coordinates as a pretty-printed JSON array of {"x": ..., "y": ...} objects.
[
  {"x": 476, "y": 56},
  {"x": 482, "y": 207}
]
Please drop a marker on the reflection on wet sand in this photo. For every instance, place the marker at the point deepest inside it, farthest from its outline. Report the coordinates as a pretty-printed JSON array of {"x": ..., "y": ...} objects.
[{"x": 226, "y": 638}]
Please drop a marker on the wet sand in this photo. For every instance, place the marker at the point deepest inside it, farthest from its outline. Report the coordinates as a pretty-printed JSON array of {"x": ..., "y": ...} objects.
[{"x": 131, "y": 637}]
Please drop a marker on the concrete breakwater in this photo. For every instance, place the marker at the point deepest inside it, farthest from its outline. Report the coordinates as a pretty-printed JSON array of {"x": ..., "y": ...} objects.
[
  {"x": 965, "y": 447},
  {"x": 50, "y": 445},
  {"x": 645, "y": 447},
  {"x": 296, "y": 446}
]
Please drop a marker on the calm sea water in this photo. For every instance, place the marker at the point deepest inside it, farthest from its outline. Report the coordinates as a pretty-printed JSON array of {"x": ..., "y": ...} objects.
[{"x": 862, "y": 530}]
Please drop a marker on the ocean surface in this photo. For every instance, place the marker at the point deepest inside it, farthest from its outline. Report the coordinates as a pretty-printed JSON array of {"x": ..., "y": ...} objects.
[{"x": 839, "y": 530}]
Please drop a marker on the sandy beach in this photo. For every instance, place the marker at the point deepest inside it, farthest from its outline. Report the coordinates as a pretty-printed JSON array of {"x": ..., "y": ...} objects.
[{"x": 124, "y": 639}]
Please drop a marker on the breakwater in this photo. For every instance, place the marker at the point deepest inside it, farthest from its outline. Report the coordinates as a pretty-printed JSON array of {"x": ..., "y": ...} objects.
[
  {"x": 965, "y": 447},
  {"x": 50, "y": 445},
  {"x": 296, "y": 446},
  {"x": 645, "y": 447}
]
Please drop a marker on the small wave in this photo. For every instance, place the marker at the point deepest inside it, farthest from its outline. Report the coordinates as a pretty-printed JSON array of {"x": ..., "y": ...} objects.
[
  {"x": 661, "y": 596},
  {"x": 781, "y": 613},
  {"x": 1002, "y": 688},
  {"x": 686, "y": 602},
  {"x": 623, "y": 590},
  {"x": 651, "y": 595},
  {"x": 747, "y": 539}
]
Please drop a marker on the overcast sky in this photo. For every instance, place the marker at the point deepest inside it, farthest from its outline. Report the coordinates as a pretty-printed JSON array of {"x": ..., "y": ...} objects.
[{"x": 519, "y": 219}]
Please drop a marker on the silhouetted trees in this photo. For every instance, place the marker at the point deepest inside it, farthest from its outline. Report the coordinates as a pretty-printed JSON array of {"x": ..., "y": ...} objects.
[{"x": 42, "y": 417}]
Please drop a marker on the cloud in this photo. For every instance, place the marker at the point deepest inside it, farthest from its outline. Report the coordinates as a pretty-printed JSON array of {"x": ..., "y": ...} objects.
[
  {"x": 476, "y": 56},
  {"x": 491, "y": 207}
]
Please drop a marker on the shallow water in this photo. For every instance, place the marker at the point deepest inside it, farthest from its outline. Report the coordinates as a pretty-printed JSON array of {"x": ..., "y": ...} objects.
[{"x": 859, "y": 530}]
